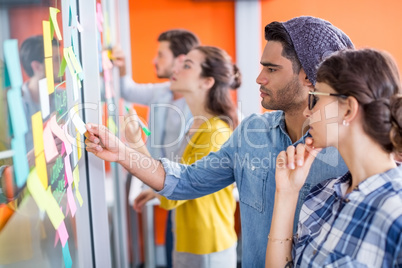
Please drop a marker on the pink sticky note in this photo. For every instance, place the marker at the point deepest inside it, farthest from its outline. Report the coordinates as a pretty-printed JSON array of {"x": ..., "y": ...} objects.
[
  {"x": 58, "y": 131},
  {"x": 99, "y": 17},
  {"x": 63, "y": 234},
  {"x": 68, "y": 171},
  {"x": 71, "y": 201},
  {"x": 56, "y": 239},
  {"x": 67, "y": 210},
  {"x": 49, "y": 144},
  {"x": 63, "y": 149}
]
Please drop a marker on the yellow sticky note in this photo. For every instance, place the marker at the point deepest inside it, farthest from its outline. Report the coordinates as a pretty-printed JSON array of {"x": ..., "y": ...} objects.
[
  {"x": 37, "y": 132},
  {"x": 53, "y": 18},
  {"x": 79, "y": 153},
  {"x": 53, "y": 210},
  {"x": 49, "y": 74},
  {"x": 40, "y": 163},
  {"x": 36, "y": 189},
  {"x": 76, "y": 175},
  {"x": 66, "y": 54},
  {"x": 112, "y": 125},
  {"x": 74, "y": 60},
  {"x": 47, "y": 39}
]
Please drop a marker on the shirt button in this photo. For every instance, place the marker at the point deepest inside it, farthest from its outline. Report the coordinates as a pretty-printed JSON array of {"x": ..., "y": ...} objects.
[
  {"x": 314, "y": 252},
  {"x": 253, "y": 168}
]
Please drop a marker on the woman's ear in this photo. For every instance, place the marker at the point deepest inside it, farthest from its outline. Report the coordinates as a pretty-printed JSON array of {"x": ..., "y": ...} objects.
[
  {"x": 351, "y": 109},
  {"x": 208, "y": 82}
]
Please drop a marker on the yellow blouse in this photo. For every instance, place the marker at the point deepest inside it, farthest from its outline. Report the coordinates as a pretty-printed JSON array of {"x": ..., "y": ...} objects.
[{"x": 206, "y": 224}]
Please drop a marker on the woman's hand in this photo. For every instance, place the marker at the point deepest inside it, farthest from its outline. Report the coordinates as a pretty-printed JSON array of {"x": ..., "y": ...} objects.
[
  {"x": 143, "y": 198},
  {"x": 293, "y": 166},
  {"x": 103, "y": 143}
]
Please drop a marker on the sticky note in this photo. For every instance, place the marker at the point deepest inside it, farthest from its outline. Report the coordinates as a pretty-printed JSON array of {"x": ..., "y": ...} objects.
[
  {"x": 74, "y": 61},
  {"x": 40, "y": 164},
  {"x": 78, "y": 123},
  {"x": 99, "y": 17},
  {"x": 53, "y": 21},
  {"x": 66, "y": 256},
  {"x": 59, "y": 132},
  {"x": 63, "y": 234},
  {"x": 112, "y": 125},
  {"x": 79, "y": 147},
  {"x": 44, "y": 98},
  {"x": 47, "y": 39},
  {"x": 74, "y": 153},
  {"x": 67, "y": 170},
  {"x": 17, "y": 112},
  {"x": 71, "y": 201},
  {"x": 49, "y": 144},
  {"x": 49, "y": 74},
  {"x": 56, "y": 216},
  {"x": 20, "y": 161},
  {"x": 37, "y": 132},
  {"x": 63, "y": 66},
  {"x": 36, "y": 189},
  {"x": 12, "y": 60},
  {"x": 76, "y": 176}
]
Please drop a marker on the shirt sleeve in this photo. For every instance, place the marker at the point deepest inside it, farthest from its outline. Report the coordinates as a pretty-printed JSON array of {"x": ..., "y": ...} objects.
[
  {"x": 141, "y": 93},
  {"x": 208, "y": 175}
]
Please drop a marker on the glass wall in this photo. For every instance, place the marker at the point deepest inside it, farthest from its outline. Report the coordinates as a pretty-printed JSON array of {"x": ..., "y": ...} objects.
[{"x": 44, "y": 205}]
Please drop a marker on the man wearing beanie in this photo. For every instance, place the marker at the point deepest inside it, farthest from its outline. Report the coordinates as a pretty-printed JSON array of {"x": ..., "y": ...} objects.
[{"x": 293, "y": 50}]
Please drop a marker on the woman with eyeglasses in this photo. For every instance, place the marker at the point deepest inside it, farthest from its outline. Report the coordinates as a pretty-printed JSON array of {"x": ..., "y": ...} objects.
[{"x": 354, "y": 220}]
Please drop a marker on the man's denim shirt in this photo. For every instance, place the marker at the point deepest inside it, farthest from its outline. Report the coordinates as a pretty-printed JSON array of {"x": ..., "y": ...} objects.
[{"x": 249, "y": 158}]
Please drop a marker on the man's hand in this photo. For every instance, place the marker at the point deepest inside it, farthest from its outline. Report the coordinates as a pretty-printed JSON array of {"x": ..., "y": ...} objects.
[
  {"x": 105, "y": 145},
  {"x": 119, "y": 60}
]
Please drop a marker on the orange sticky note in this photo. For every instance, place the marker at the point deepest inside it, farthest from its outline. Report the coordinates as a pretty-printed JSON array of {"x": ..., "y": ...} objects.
[
  {"x": 47, "y": 39},
  {"x": 37, "y": 132},
  {"x": 40, "y": 164},
  {"x": 49, "y": 74}
]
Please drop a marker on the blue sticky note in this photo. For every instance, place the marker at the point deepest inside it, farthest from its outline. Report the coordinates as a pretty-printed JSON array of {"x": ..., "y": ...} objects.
[
  {"x": 7, "y": 82},
  {"x": 17, "y": 112},
  {"x": 20, "y": 161},
  {"x": 12, "y": 60},
  {"x": 66, "y": 256}
]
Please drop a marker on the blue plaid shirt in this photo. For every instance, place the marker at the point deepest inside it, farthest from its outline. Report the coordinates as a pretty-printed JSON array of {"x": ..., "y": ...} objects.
[{"x": 360, "y": 229}]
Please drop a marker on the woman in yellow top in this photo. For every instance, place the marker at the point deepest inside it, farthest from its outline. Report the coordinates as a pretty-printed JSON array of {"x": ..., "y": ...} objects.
[{"x": 204, "y": 227}]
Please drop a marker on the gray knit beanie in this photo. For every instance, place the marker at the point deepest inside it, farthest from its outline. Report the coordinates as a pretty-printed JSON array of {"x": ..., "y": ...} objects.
[{"x": 314, "y": 39}]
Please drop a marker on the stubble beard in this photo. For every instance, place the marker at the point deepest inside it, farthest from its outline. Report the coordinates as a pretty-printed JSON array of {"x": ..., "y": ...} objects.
[{"x": 285, "y": 99}]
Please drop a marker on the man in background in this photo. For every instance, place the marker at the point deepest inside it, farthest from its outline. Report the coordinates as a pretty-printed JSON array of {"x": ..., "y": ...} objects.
[{"x": 169, "y": 113}]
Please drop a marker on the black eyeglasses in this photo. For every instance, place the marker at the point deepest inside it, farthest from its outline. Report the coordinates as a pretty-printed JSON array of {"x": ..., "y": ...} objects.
[{"x": 312, "y": 99}]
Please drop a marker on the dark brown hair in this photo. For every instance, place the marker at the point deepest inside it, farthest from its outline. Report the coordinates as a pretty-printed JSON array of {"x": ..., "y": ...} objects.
[
  {"x": 180, "y": 41},
  {"x": 218, "y": 65},
  {"x": 372, "y": 78}
]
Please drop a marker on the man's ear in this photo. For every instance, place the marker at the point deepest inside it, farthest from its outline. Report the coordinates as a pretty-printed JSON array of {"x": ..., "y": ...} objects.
[
  {"x": 37, "y": 67},
  {"x": 304, "y": 79}
]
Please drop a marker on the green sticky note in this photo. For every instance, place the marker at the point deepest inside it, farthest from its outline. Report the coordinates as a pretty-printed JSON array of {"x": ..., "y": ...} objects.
[
  {"x": 53, "y": 22},
  {"x": 63, "y": 66}
]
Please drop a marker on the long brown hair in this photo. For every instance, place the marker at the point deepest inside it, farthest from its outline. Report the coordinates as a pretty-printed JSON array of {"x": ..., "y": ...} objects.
[
  {"x": 372, "y": 78},
  {"x": 218, "y": 65}
]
